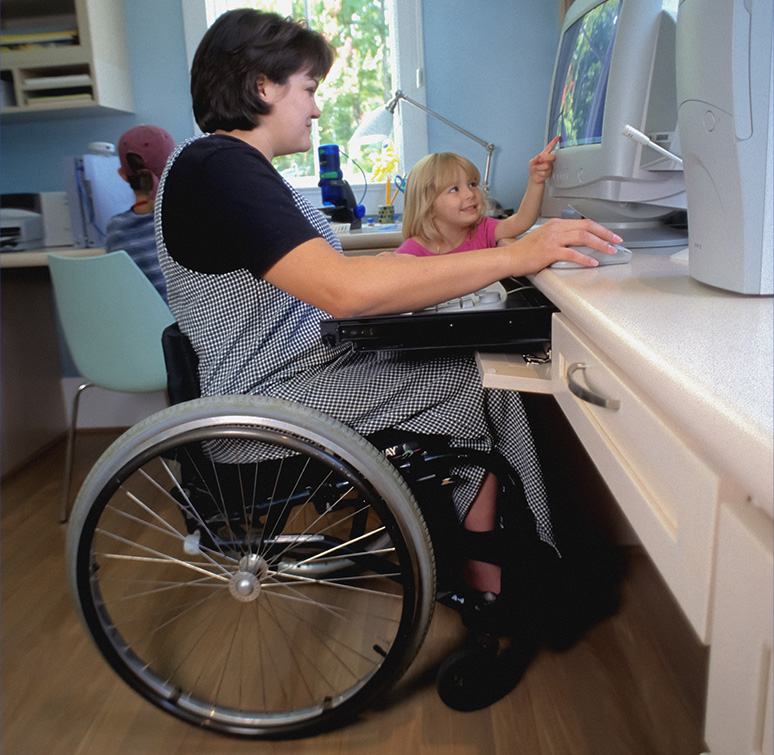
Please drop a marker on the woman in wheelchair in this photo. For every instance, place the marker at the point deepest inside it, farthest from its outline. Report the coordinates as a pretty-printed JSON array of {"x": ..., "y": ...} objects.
[{"x": 251, "y": 269}]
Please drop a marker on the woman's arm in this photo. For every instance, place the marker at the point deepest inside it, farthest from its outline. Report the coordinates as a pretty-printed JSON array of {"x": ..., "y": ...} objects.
[{"x": 366, "y": 285}]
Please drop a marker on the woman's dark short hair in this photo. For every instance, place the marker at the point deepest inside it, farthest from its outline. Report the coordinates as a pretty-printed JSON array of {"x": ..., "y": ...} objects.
[{"x": 236, "y": 50}]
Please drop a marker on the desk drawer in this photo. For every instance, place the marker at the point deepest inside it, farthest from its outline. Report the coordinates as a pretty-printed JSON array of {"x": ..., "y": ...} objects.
[{"x": 668, "y": 494}]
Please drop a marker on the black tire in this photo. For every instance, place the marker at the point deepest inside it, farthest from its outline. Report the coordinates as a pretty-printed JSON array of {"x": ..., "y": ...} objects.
[{"x": 251, "y": 605}]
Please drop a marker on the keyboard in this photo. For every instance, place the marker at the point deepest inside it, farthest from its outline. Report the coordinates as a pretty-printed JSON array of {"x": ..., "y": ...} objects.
[{"x": 493, "y": 296}]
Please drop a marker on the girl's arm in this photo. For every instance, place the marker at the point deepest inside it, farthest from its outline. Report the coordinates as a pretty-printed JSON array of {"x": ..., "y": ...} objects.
[
  {"x": 352, "y": 286},
  {"x": 540, "y": 169}
]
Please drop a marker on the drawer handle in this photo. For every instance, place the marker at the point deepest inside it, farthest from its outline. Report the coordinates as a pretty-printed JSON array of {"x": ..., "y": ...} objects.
[{"x": 584, "y": 394}]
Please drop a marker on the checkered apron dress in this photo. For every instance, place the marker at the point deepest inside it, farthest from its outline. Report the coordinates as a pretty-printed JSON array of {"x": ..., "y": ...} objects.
[{"x": 254, "y": 338}]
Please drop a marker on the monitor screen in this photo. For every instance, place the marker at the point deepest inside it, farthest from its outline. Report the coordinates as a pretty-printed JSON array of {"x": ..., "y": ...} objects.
[
  {"x": 615, "y": 66},
  {"x": 583, "y": 67}
]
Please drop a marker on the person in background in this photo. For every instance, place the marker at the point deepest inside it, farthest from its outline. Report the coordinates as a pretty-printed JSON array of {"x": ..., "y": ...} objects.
[
  {"x": 444, "y": 207},
  {"x": 143, "y": 152}
]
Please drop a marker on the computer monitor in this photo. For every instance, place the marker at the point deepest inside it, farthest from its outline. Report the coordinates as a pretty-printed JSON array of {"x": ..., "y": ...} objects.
[
  {"x": 95, "y": 193},
  {"x": 615, "y": 66},
  {"x": 725, "y": 77}
]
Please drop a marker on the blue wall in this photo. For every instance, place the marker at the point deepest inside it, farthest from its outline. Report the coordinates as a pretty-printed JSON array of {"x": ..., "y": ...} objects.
[
  {"x": 488, "y": 69},
  {"x": 488, "y": 66}
]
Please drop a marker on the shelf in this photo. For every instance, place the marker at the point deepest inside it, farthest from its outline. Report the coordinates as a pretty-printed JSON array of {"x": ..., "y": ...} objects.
[
  {"x": 46, "y": 78},
  {"x": 56, "y": 111},
  {"x": 57, "y": 81}
]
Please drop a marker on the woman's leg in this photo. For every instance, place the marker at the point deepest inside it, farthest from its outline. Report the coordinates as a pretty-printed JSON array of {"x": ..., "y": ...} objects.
[{"x": 481, "y": 575}]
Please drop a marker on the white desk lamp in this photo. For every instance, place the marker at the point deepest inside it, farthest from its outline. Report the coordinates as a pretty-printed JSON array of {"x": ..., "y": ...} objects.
[{"x": 377, "y": 126}]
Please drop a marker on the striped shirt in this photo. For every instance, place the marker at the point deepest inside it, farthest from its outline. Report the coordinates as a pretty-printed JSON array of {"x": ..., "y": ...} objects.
[{"x": 136, "y": 235}]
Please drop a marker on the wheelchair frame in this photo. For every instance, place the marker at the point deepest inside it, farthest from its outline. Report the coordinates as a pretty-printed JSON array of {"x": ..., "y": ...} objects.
[{"x": 254, "y": 566}]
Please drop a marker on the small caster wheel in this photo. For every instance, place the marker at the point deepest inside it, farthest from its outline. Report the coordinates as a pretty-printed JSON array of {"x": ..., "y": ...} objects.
[
  {"x": 477, "y": 675},
  {"x": 465, "y": 677}
]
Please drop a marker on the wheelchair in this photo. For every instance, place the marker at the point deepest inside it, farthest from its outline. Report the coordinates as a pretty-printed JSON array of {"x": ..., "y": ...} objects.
[{"x": 253, "y": 566}]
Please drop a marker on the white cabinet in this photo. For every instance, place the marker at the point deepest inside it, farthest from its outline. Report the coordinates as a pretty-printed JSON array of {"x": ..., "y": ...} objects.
[
  {"x": 669, "y": 495},
  {"x": 739, "y": 695},
  {"x": 63, "y": 57},
  {"x": 668, "y": 383}
]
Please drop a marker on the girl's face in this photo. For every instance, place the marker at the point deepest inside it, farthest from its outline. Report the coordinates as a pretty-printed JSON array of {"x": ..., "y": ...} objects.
[
  {"x": 459, "y": 204},
  {"x": 289, "y": 124}
]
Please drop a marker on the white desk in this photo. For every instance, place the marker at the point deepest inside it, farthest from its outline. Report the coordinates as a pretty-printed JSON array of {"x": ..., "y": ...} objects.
[
  {"x": 371, "y": 240},
  {"x": 688, "y": 453},
  {"x": 30, "y": 370},
  {"x": 368, "y": 240},
  {"x": 37, "y": 257}
]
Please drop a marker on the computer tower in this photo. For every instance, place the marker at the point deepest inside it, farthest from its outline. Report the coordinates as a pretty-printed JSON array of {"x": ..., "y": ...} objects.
[{"x": 724, "y": 89}]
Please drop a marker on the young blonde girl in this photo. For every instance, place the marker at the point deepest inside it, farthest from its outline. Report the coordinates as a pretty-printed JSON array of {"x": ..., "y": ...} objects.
[{"x": 445, "y": 209}]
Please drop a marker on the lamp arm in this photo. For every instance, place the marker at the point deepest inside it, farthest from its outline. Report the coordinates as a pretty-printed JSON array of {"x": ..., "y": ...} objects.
[{"x": 392, "y": 104}]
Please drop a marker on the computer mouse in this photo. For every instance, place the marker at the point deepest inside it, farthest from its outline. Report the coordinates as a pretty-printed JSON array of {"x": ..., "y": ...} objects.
[{"x": 621, "y": 257}]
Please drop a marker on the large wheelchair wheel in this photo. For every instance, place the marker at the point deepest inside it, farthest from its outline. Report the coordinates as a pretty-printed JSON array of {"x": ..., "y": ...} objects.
[{"x": 272, "y": 594}]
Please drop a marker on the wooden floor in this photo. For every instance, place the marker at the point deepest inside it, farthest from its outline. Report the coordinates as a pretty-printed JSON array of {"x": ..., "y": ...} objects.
[{"x": 632, "y": 686}]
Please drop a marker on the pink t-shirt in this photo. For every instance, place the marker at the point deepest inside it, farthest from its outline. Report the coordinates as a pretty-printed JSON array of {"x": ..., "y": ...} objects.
[{"x": 483, "y": 238}]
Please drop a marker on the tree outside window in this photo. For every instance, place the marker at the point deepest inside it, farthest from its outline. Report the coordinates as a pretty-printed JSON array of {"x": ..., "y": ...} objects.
[{"x": 361, "y": 78}]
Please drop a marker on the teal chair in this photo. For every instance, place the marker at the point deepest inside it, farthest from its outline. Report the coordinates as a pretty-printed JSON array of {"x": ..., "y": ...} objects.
[{"x": 112, "y": 318}]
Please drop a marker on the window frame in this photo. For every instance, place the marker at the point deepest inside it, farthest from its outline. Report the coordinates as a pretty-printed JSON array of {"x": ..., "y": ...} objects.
[{"x": 407, "y": 63}]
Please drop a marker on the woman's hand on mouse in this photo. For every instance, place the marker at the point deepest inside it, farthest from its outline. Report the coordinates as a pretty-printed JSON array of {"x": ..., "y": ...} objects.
[{"x": 554, "y": 240}]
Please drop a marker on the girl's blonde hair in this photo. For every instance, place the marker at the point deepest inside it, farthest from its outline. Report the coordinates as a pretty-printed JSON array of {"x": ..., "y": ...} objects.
[{"x": 427, "y": 179}]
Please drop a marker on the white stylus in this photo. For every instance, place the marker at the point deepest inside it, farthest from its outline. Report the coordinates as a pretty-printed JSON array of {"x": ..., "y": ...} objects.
[{"x": 638, "y": 136}]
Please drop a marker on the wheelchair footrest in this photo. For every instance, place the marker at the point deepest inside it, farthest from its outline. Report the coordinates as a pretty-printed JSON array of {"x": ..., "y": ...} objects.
[{"x": 485, "y": 613}]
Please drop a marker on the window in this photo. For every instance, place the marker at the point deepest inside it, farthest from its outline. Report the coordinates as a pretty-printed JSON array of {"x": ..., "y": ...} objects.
[{"x": 378, "y": 50}]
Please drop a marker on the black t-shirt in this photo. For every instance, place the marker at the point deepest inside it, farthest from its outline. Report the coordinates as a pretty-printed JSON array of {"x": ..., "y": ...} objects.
[{"x": 225, "y": 208}]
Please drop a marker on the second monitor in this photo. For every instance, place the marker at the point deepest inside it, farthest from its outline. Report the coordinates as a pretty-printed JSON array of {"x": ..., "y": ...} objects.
[{"x": 615, "y": 66}]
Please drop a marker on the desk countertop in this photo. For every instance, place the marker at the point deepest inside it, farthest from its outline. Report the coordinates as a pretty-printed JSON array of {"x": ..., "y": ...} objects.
[
  {"x": 703, "y": 356},
  {"x": 37, "y": 257},
  {"x": 375, "y": 238}
]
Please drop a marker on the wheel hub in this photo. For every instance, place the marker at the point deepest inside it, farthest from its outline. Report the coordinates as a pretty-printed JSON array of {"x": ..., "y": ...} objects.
[{"x": 245, "y": 584}]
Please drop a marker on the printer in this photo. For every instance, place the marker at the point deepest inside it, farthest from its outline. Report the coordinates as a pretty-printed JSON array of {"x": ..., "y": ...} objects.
[
  {"x": 20, "y": 229},
  {"x": 35, "y": 221}
]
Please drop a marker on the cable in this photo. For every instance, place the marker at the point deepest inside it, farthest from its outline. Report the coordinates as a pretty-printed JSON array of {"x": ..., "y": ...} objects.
[
  {"x": 365, "y": 178},
  {"x": 522, "y": 286},
  {"x": 86, "y": 199},
  {"x": 637, "y": 136}
]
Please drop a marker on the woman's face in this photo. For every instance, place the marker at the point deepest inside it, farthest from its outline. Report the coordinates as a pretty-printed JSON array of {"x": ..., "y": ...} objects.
[{"x": 289, "y": 124}]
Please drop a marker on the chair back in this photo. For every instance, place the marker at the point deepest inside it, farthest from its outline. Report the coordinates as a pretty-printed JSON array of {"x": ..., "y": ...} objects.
[
  {"x": 182, "y": 365},
  {"x": 112, "y": 318}
]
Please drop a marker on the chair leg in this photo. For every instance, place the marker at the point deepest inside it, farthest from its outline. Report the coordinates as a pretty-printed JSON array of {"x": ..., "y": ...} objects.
[{"x": 69, "y": 454}]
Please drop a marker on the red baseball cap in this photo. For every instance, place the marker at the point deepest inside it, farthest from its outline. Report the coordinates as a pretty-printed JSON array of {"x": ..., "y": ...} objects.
[{"x": 152, "y": 143}]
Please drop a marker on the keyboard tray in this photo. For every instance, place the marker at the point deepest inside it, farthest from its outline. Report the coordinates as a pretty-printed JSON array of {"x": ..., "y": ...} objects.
[{"x": 520, "y": 323}]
